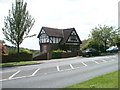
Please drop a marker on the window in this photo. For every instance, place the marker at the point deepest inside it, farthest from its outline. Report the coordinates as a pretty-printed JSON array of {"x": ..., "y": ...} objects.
[
  {"x": 44, "y": 38},
  {"x": 53, "y": 39},
  {"x": 73, "y": 39}
]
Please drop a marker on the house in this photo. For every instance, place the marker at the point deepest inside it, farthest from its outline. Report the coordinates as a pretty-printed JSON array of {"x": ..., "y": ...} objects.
[
  {"x": 64, "y": 39},
  {"x": 84, "y": 42}
]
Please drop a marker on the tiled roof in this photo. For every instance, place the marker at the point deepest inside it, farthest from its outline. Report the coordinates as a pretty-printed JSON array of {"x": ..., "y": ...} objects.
[
  {"x": 66, "y": 33},
  {"x": 53, "y": 32},
  {"x": 62, "y": 33}
]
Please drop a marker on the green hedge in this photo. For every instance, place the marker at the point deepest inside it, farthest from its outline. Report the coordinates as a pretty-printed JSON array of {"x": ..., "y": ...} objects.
[
  {"x": 56, "y": 55},
  {"x": 23, "y": 56}
]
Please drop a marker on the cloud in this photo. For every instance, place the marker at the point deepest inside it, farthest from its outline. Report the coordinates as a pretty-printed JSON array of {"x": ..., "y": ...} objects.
[{"x": 81, "y": 14}]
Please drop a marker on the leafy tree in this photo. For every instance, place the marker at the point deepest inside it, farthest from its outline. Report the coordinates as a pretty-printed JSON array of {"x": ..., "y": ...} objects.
[
  {"x": 92, "y": 44},
  {"x": 103, "y": 35},
  {"x": 116, "y": 36},
  {"x": 18, "y": 24}
]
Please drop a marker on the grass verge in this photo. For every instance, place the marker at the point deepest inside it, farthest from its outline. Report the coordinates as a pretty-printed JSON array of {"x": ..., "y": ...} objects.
[
  {"x": 105, "y": 81},
  {"x": 10, "y": 64}
]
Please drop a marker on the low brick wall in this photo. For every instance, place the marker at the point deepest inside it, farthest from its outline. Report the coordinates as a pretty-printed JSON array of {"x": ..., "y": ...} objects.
[
  {"x": 16, "y": 57},
  {"x": 41, "y": 57}
]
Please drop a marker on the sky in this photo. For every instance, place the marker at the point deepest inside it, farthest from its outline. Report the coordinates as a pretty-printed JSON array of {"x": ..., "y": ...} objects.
[{"x": 83, "y": 15}]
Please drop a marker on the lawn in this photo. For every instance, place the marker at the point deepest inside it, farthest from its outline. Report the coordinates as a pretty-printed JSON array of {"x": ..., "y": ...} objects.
[
  {"x": 105, "y": 81},
  {"x": 19, "y": 63}
]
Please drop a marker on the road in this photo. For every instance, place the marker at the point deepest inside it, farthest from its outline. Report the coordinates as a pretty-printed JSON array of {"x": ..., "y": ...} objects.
[{"x": 58, "y": 73}]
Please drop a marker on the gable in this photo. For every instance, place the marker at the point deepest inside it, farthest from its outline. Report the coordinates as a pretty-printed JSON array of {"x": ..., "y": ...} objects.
[
  {"x": 73, "y": 37},
  {"x": 43, "y": 37}
]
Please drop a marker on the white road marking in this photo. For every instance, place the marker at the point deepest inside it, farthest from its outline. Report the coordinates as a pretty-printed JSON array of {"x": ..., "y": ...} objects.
[
  {"x": 14, "y": 74},
  {"x": 16, "y": 78},
  {"x": 84, "y": 63},
  {"x": 58, "y": 69},
  {"x": 96, "y": 62},
  {"x": 35, "y": 72},
  {"x": 104, "y": 60},
  {"x": 71, "y": 66}
]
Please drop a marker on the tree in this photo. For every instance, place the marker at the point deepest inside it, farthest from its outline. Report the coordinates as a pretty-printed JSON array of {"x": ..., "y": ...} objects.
[
  {"x": 92, "y": 44},
  {"x": 116, "y": 37},
  {"x": 103, "y": 35},
  {"x": 18, "y": 24}
]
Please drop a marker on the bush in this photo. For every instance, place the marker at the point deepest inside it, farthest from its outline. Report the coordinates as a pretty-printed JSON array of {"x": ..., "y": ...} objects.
[
  {"x": 36, "y": 52},
  {"x": 57, "y": 53},
  {"x": 60, "y": 51},
  {"x": 26, "y": 51},
  {"x": 22, "y": 56},
  {"x": 63, "y": 54}
]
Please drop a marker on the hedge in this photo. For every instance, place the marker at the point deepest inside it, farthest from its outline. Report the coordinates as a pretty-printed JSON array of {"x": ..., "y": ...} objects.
[
  {"x": 56, "y": 55},
  {"x": 17, "y": 57}
]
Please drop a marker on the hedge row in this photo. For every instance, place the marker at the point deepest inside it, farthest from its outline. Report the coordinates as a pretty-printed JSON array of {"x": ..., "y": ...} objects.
[
  {"x": 28, "y": 57},
  {"x": 16, "y": 57},
  {"x": 56, "y": 55}
]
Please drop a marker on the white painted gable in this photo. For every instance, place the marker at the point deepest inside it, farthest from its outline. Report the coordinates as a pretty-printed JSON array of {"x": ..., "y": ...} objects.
[{"x": 73, "y": 37}]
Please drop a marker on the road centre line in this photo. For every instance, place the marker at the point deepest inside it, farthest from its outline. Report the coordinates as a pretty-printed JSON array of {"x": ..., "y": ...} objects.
[
  {"x": 84, "y": 63},
  {"x": 58, "y": 69},
  {"x": 14, "y": 74},
  {"x": 35, "y": 72},
  {"x": 71, "y": 66}
]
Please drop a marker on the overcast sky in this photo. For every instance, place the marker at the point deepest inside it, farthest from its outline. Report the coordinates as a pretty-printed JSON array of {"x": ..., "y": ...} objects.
[{"x": 83, "y": 15}]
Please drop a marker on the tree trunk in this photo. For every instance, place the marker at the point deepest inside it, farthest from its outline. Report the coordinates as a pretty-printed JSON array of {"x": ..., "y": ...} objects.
[
  {"x": 105, "y": 45},
  {"x": 18, "y": 48},
  {"x": 18, "y": 52}
]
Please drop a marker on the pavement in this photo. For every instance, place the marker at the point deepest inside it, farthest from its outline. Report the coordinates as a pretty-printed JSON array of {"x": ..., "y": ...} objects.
[{"x": 58, "y": 73}]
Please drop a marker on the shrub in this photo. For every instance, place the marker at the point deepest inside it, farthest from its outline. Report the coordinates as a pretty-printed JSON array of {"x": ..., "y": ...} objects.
[
  {"x": 56, "y": 55},
  {"x": 22, "y": 56},
  {"x": 36, "y": 52},
  {"x": 59, "y": 51},
  {"x": 26, "y": 51}
]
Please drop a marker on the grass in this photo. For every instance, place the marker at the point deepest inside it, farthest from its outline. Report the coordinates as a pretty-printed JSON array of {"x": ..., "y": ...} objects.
[
  {"x": 105, "y": 81},
  {"x": 19, "y": 63},
  {"x": 108, "y": 53}
]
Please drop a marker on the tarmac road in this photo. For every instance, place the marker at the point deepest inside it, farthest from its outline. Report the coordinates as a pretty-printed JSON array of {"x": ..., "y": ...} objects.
[{"x": 58, "y": 73}]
